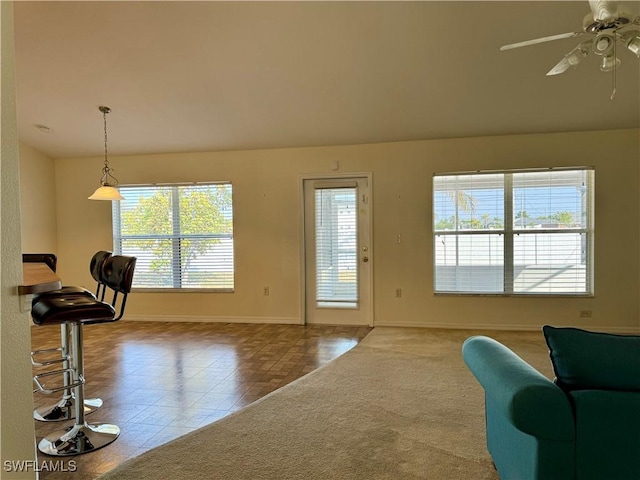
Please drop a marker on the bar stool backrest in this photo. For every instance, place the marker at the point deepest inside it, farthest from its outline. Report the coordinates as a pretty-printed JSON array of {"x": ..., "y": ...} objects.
[
  {"x": 48, "y": 258},
  {"x": 117, "y": 274},
  {"x": 95, "y": 267}
]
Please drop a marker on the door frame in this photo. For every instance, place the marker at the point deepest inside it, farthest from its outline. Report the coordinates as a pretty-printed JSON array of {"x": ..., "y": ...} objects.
[{"x": 303, "y": 249}]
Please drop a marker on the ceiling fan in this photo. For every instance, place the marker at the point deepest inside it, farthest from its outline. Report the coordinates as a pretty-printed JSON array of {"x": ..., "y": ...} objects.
[{"x": 607, "y": 25}]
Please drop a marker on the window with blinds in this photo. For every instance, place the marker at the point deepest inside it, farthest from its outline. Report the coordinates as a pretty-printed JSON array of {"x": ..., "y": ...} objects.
[
  {"x": 182, "y": 235},
  {"x": 515, "y": 233},
  {"x": 336, "y": 247}
]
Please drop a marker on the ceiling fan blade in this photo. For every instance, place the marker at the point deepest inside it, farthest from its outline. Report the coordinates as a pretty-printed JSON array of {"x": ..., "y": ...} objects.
[
  {"x": 604, "y": 10},
  {"x": 561, "y": 67},
  {"x": 571, "y": 59},
  {"x": 541, "y": 40}
]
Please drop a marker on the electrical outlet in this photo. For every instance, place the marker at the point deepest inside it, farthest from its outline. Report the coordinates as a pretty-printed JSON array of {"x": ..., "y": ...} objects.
[
  {"x": 585, "y": 313},
  {"x": 398, "y": 292},
  {"x": 266, "y": 291}
]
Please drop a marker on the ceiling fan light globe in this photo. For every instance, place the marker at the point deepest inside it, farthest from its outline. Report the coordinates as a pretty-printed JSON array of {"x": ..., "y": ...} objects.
[
  {"x": 609, "y": 63},
  {"x": 634, "y": 44},
  {"x": 603, "y": 44}
]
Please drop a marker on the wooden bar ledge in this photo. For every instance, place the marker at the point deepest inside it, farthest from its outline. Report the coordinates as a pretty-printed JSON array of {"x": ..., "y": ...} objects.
[{"x": 38, "y": 278}]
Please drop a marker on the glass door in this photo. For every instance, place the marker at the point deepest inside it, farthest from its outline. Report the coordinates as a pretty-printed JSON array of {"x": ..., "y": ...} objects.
[{"x": 337, "y": 251}]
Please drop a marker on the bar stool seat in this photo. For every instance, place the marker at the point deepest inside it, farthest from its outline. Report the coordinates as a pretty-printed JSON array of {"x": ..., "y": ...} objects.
[
  {"x": 71, "y": 309},
  {"x": 77, "y": 311}
]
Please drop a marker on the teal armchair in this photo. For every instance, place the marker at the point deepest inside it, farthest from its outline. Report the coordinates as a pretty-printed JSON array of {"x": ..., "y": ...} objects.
[{"x": 538, "y": 429}]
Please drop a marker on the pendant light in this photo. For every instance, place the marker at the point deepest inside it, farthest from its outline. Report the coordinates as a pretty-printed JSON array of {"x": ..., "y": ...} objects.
[{"x": 108, "y": 183}]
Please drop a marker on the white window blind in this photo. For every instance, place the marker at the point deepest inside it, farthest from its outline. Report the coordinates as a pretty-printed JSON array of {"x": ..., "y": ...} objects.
[
  {"x": 182, "y": 235},
  {"x": 336, "y": 247},
  {"x": 514, "y": 232}
]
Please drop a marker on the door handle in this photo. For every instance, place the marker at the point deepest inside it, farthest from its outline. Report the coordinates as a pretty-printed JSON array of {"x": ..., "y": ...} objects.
[{"x": 365, "y": 259}]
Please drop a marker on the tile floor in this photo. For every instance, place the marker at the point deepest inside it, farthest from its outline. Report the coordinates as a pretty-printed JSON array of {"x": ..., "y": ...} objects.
[{"x": 162, "y": 380}]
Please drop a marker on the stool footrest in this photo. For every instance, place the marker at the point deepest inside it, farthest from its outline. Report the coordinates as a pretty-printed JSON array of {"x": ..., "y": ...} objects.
[
  {"x": 42, "y": 388},
  {"x": 46, "y": 363}
]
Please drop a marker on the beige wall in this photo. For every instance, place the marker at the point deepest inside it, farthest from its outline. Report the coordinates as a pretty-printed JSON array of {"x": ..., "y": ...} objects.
[
  {"x": 16, "y": 405},
  {"x": 267, "y": 201},
  {"x": 38, "y": 201}
]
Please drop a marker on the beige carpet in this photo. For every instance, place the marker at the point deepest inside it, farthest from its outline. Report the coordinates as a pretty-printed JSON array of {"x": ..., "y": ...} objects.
[{"x": 400, "y": 405}]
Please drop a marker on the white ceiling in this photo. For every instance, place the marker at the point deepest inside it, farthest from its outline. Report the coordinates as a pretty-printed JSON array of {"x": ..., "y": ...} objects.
[{"x": 204, "y": 76}]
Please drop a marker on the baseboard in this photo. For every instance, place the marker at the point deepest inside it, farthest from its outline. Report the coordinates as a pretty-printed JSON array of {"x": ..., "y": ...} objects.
[
  {"x": 459, "y": 326},
  {"x": 510, "y": 327},
  {"x": 212, "y": 319}
]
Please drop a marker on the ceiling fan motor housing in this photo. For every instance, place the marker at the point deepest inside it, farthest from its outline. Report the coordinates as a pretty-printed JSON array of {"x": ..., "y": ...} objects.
[{"x": 591, "y": 25}]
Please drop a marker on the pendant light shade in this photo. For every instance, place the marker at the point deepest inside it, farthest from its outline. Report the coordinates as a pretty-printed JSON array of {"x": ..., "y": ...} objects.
[
  {"x": 106, "y": 192},
  {"x": 108, "y": 183}
]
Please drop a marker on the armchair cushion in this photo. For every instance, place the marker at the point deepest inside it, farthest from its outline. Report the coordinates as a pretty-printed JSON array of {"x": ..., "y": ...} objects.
[
  {"x": 607, "y": 434},
  {"x": 589, "y": 360}
]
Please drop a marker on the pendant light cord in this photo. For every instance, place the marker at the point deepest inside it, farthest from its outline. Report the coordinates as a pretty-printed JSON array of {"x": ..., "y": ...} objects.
[
  {"x": 104, "y": 111},
  {"x": 106, "y": 171}
]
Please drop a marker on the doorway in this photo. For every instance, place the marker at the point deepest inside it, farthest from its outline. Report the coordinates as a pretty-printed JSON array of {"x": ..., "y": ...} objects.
[{"x": 338, "y": 253}]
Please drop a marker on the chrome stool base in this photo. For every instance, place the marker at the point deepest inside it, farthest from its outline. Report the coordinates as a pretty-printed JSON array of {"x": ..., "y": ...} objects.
[
  {"x": 79, "y": 439},
  {"x": 65, "y": 409}
]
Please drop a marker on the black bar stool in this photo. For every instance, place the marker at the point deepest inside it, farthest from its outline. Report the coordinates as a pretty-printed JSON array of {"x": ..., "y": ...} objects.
[
  {"x": 76, "y": 311},
  {"x": 64, "y": 409}
]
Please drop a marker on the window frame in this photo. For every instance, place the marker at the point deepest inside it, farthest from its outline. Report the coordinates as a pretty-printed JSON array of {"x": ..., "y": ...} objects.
[
  {"x": 509, "y": 233},
  {"x": 175, "y": 210}
]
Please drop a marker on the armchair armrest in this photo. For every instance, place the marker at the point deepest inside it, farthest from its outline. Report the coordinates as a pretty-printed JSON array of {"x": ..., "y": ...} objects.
[{"x": 528, "y": 400}]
